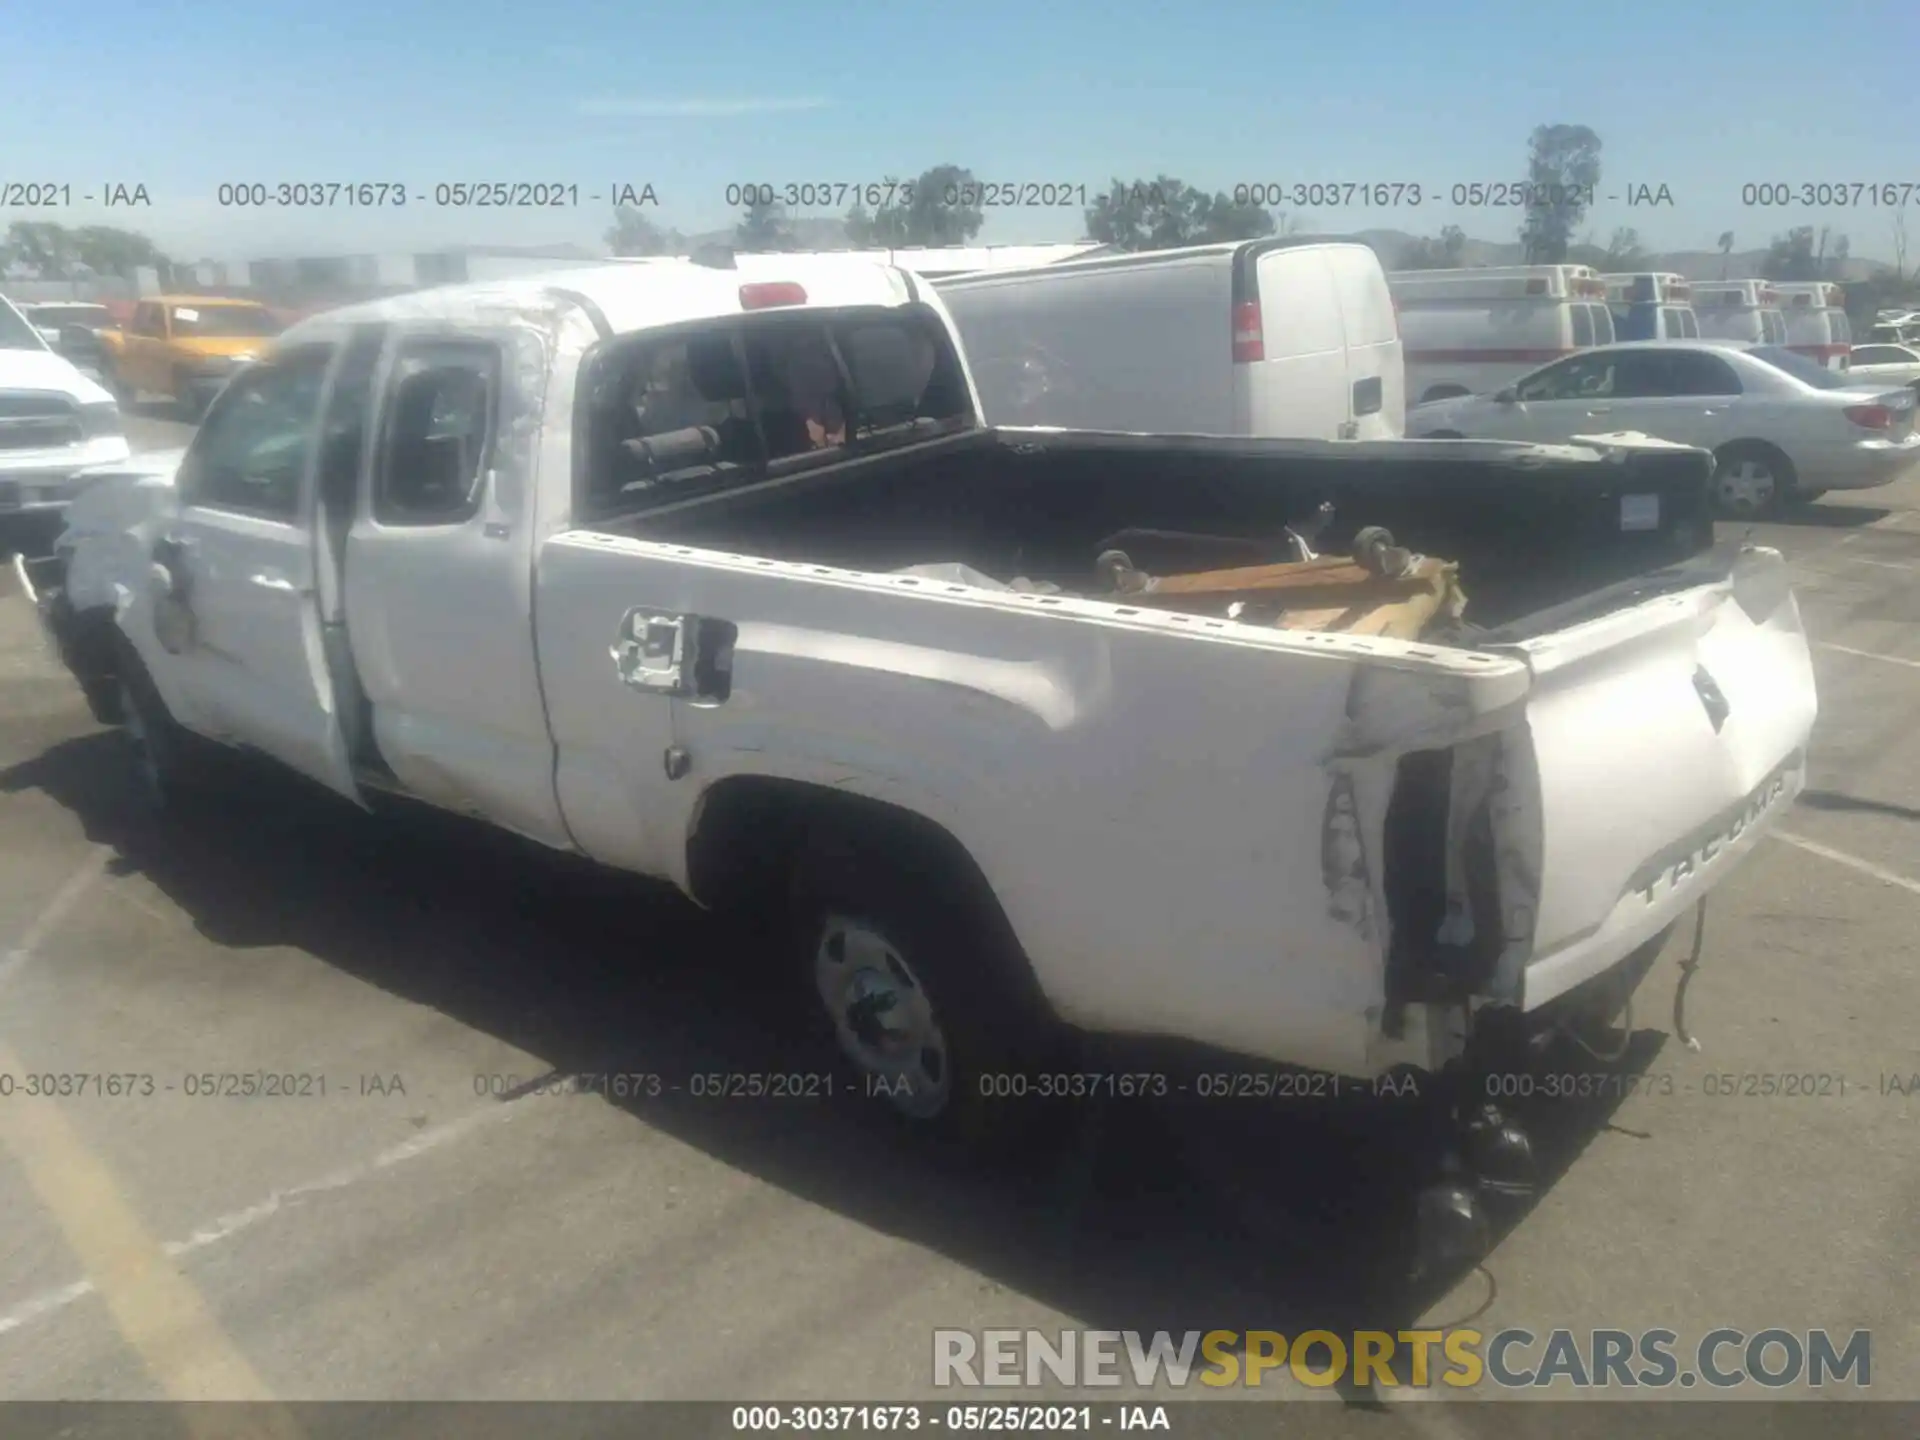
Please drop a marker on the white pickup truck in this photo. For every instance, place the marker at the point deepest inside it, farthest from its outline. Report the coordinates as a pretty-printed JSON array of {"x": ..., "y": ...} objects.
[{"x": 721, "y": 580}]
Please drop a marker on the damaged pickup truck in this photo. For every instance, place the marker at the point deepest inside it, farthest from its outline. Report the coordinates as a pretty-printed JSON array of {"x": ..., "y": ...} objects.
[{"x": 721, "y": 580}]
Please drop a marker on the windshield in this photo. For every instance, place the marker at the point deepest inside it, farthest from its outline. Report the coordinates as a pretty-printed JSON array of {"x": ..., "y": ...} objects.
[
  {"x": 52, "y": 317},
  {"x": 1810, "y": 372},
  {"x": 15, "y": 332},
  {"x": 223, "y": 321}
]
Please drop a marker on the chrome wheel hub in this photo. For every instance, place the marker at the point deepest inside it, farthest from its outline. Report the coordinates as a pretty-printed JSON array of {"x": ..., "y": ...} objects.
[
  {"x": 1746, "y": 486},
  {"x": 882, "y": 1017}
]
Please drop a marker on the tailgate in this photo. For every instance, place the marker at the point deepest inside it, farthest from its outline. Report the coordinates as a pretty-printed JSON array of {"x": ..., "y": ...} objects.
[{"x": 1666, "y": 738}]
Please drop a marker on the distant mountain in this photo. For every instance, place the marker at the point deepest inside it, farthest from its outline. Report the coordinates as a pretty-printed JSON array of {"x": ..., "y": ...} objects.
[
  {"x": 810, "y": 232},
  {"x": 1694, "y": 264}
]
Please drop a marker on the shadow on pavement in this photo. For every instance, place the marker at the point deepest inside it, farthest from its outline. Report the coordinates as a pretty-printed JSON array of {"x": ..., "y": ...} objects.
[
  {"x": 1831, "y": 800},
  {"x": 1171, "y": 1215},
  {"x": 1830, "y": 515}
]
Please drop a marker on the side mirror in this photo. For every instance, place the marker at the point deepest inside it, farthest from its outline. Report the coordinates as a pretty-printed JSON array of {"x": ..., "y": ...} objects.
[{"x": 1508, "y": 396}]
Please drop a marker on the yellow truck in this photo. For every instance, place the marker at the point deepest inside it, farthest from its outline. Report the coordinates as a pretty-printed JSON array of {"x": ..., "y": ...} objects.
[{"x": 185, "y": 347}]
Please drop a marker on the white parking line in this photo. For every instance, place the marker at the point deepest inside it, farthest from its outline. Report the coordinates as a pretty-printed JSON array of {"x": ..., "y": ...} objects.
[
  {"x": 1885, "y": 564},
  {"x": 234, "y": 1222},
  {"x": 64, "y": 899},
  {"x": 1870, "y": 655},
  {"x": 1853, "y": 862}
]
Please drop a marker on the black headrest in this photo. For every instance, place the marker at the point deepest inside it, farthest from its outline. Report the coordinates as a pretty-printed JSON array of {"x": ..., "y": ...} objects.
[{"x": 714, "y": 370}]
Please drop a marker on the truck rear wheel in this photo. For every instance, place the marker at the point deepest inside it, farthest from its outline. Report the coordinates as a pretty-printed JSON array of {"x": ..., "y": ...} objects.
[{"x": 915, "y": 985}]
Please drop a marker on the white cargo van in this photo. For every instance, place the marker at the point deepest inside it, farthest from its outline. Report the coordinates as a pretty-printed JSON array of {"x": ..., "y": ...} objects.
[
  {"x": 1281, "y": 337},
  {"x": 1469, "y": 332},
  {"x": 1816, "y": 313},
  {"x": 1654, "y": 305},
  {"x": 1746, "y": 310}
]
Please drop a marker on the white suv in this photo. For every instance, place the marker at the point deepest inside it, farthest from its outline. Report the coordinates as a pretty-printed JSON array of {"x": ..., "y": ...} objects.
[{"x": 54, "y": 421}]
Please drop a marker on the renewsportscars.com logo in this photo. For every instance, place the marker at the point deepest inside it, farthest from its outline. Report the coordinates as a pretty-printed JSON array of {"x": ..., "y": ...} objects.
[{"x": 1508, "y": 1359}]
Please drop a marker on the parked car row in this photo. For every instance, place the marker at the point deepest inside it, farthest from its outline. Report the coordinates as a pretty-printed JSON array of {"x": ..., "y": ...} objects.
[{"x": 1760, "y": 374}]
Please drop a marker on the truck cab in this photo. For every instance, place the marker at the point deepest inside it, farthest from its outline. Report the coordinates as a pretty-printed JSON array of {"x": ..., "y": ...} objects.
[
  {"x": 1817, "y": 325},
  {"x": 1745, "y": 310},
  {"x": 717, "y": 577},
  {"x": 1470, "y": 332},
  {"x": 185, "y": 347},
  {"x": 1652, "y": 306}
]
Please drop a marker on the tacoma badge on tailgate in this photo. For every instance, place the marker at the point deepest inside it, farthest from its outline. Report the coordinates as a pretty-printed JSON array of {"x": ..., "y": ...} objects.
[{"x": 1659, "y": 878}]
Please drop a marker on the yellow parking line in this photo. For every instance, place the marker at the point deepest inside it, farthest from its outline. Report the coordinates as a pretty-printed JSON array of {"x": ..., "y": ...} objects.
[{"x": 158, "y": 1311}]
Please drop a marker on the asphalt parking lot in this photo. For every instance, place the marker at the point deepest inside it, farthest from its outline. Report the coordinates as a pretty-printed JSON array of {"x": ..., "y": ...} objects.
[{"x": 413, "y": 1233}]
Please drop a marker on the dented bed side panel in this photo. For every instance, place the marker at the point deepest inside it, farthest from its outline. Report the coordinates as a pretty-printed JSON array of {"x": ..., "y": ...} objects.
[{"x": 1181, "y": 818}]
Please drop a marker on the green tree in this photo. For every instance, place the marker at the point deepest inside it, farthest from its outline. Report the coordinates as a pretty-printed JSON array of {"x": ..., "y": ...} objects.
[
  {"x": 634, "y": 234},
  {"x": 1563, "y": 165},
  {"x": 1165, "y": 212},
  {"x": 763, "y": 227},
  {"x": 108, "y": 250},
  {"x": 1428, "y": 253},
  {"x": 940, "y": 208},
  {"x": 1726, "y": 252},
  {"x": 1625, "y": 252},
  {"x": 1791, "y": 256},
  {"x": 42, "y": 247}
]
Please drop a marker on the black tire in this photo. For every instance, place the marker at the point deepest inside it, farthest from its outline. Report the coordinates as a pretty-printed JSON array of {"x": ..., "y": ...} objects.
[
  {"x": 122, "y": 391},
  {"x": 173, "y": 769},
  {"x": 186, "y": 399},
  {"x": 1751, "y": 481},
  {"x": 884, "y": 927}
]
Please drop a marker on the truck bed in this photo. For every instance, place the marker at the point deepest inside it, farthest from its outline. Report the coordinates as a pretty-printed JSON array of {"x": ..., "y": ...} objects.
[{"x": 1533, "y": 529}]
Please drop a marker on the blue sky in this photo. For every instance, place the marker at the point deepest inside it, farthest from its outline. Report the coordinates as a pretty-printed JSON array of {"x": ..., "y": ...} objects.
[{"x": 689, "y": 98}]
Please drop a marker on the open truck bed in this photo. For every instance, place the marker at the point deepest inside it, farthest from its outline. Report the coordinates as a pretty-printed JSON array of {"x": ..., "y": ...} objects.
[{"x": 1534, "y": 793}]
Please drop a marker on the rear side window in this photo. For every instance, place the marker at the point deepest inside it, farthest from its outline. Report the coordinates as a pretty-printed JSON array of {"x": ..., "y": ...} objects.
[
  {"x": 1807, "y": 372},
  {"x": 1584, "y": 377},
  {"x": 1842, "y": 328},
  {"x": 1773, "y": 327},
  {"x": 437, "y": 436},
  {"x": 1693, "y": 373},
  {"x": 1582, "y": 327},
  {"x": 722, "y": 401},
  {"x": 1602, "y": 324}
]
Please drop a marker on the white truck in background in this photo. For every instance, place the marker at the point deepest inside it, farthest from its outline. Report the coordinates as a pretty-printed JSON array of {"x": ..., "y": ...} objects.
[
  {"x": 1746, "y": 310},
  {"x": 1474, "y": 331},
  {"x": 1817, "y": 324},
  {"x": 585, "y": 559},
  {"x": 1279, "y": 337},
  {"x": 55, "y": 422}
]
